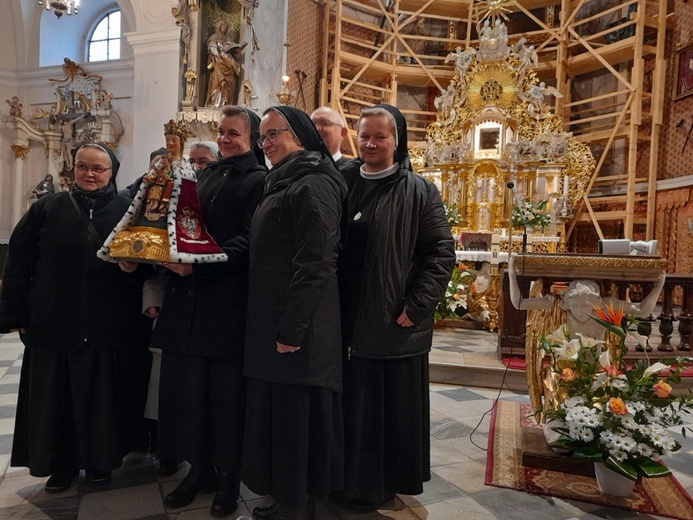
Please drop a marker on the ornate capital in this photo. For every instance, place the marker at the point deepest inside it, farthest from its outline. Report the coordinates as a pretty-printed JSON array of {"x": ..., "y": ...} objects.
[{"x": 20, "y": 151}]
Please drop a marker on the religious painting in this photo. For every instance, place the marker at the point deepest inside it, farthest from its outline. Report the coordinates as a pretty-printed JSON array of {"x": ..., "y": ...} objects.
[{"x": 683, "y": 72}]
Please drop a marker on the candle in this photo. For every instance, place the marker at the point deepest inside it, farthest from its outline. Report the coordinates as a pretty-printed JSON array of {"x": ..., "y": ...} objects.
[
  {"x": 565, "y": 186},
  {"x": 285, "y": 80}
]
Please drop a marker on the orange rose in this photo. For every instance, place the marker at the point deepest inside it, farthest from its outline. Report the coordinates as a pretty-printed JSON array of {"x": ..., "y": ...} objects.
[
  {"x": 662, "y": 389},
  {"x": 617, "y": 406},
  {"x": 612, "y": 371},
  {"x": 567, "y": 375}
]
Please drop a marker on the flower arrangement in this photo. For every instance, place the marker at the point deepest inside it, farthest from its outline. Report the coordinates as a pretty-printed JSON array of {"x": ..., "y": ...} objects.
[
  {"x": 529, "y": 214},
  {"x": 452, "y": 215},
  {"x": 454, "y": 303},
  {"x": 610, "y": 412}
]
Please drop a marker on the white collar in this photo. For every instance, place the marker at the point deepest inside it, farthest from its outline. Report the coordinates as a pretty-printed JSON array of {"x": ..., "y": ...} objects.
[{"x": 371, "y": 176}]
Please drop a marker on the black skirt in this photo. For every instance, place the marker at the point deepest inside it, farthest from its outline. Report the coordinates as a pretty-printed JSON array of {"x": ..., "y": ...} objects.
[
  {"x": 79, "y": 409},
  {"x": 387, "y": 427},
  {"x": 201, "y": 410},
  {"x": 293, "y": 441}
]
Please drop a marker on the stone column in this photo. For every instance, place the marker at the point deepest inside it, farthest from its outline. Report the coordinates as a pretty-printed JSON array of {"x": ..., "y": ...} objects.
[
  {"x": 156, "y": 95},
  {"x": 18, "y": 197}
]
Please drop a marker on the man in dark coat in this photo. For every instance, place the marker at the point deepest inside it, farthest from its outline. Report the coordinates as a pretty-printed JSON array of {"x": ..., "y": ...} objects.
[
  {"x": 83, "y": 381},
  {"x": 201, "y": 328},
  {"x": 393, "y": 270}
]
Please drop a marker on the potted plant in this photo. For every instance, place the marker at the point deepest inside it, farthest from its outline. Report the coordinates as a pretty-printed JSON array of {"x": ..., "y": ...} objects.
[{"x": 611, "y": 413}]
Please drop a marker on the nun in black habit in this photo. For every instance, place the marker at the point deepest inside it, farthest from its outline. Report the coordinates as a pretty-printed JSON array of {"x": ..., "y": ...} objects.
[
  {"x": 85, "y": 364},
  {"x": 201, "y": 327},
  {"x": 395, "y": 265},
  {"x": 293, "y": 439}
]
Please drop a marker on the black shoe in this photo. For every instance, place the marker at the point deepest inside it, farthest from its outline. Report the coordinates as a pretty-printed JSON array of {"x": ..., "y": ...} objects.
[
  {"x": 366, "y": 506},
  {"x": 98, "y": 477},
  {"x": 278, "y": 512},
  {"x": 266, "y": 511},
  {"x": 196, "y": 480},
  {"x": 226, "y": 497},
  {"x": 60, "y": 480},
  {"x": 167, "y": 468}
]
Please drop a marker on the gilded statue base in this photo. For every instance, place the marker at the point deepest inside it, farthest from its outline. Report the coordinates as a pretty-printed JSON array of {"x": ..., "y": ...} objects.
[{"x": 141, "y": 244}]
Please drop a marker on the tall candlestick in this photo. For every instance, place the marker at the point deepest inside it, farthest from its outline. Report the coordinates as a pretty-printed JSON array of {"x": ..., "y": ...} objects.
[{"x": 565, "y": 186}]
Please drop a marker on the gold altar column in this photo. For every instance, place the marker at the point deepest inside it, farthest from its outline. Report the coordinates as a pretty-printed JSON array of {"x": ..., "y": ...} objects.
[{"x": 20, "y": 150}]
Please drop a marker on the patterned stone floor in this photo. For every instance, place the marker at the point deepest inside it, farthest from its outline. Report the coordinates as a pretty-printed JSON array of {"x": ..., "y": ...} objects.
[{"x": 459, "y": 433}]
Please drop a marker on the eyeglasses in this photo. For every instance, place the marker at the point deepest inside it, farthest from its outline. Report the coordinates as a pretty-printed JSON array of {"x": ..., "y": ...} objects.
[
  {"x": 97, "y": 170},
  {"x": 270, "y": 136},
  {"x": 326, "y": 123}
]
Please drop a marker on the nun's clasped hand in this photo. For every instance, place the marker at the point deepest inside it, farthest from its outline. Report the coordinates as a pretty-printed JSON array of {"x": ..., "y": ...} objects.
[{"x": 285, "y": 349}]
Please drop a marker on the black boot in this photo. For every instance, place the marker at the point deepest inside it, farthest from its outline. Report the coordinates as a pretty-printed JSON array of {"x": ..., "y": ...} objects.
[
  {"x": 226, "y": 498},
  {"x": 277, "y": 511},
  {"x": 198, "y": 479}
]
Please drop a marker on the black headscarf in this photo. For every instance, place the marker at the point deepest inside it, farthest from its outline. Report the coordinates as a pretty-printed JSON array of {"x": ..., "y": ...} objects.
[
  {"x": 303, "y": 128},
  {"x": 401, "y": 152},
  {"x": 254, "y": 128},
  {"x": 115, "y": 163}
]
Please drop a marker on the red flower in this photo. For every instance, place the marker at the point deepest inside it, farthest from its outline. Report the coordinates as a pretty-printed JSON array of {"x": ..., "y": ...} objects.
[
  {"x": 612, "y": 371},
  {"x": 609, "y": 315}
]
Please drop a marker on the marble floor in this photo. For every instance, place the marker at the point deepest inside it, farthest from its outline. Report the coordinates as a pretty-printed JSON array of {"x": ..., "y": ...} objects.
[{"x": 460, "y": 417}]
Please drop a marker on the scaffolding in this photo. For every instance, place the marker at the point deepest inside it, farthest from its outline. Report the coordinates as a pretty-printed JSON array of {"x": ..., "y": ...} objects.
[{"x": 606, "y": 60}]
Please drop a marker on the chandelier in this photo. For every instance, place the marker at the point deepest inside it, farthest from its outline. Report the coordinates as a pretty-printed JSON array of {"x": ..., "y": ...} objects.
[{"x": 61, "y": 7}]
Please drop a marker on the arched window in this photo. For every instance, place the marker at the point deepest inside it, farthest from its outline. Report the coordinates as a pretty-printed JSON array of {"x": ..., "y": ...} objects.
[{"x": 104, "y": 43}]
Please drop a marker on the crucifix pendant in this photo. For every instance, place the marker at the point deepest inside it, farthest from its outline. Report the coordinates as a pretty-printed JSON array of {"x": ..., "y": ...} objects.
[{"x": 357, "y": 216}]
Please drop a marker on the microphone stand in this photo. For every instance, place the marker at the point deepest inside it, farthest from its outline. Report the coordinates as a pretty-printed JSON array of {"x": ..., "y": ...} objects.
[{"x": 511, "y": 187}]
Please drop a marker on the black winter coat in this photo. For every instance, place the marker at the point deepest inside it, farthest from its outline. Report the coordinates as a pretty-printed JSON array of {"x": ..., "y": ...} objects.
[
  {"x": 204, "y": 313},
  {"x": 293, "y": 274},
  {"x": 408, "y": 261},
  {"x": 56, "y": 287}
]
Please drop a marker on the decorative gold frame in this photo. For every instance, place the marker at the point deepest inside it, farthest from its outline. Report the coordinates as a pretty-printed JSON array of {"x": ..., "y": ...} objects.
[{"x": 683, "y": 76}]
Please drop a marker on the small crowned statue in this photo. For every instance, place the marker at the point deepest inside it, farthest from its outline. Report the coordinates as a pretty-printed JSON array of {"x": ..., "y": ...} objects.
[{"x": 164, "y": 222}]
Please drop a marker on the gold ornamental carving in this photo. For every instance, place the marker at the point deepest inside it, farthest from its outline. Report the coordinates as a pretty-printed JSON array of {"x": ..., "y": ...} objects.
[
  {"x": 141, "y": 244},
  {"x": 20, "y": 151},
  {"x": 492, "y": 84}
]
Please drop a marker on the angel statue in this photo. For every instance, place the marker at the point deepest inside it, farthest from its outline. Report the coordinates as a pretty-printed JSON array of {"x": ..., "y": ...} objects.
[
  {"x": 535, "y": 97},
  {"x": 462, "y": 59},
  {"x": 15, "y": 106},
  {"x": 547, "y": 312}
]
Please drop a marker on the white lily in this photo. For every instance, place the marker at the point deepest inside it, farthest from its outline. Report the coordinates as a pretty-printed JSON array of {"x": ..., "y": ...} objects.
[
  {"x": 560, "y": 335},
  {"x": 605, "y": 359},
  {"x": 642, "y": 340},
  {"x": 569, "y": 350},
  {"x": 588, "y": 341},
  {"x": 654, "y": 369}
]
